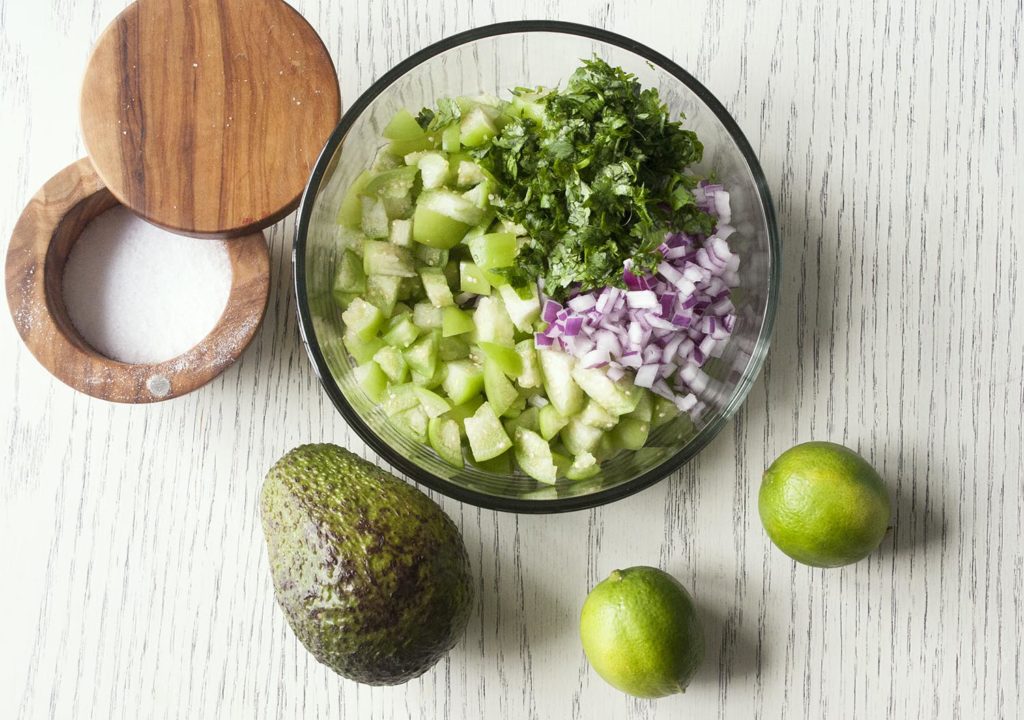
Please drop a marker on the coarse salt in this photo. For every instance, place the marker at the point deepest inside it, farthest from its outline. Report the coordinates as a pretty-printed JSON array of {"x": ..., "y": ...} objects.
[{"x": 140, "y": 294}]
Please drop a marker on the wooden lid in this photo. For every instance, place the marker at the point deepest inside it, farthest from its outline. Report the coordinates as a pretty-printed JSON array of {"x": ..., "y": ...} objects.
[{"x": 205, "y": 117}]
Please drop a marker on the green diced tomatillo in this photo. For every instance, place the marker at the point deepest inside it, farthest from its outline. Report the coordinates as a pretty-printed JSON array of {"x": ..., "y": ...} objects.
[
  {"x": 451, "y": 274},
  {"x": 433, "y": 404},
  {"x": 350, "y": 277},
  {"x": 363, "y": 319},
  {"x": 411, "y": 289},
  {"x": 460, "y": 412},
  {"x": 392, "y": 363},
  {"x": 522, "y": 304},
  {"x": 533, "y": 454},
  {"x": 350, "y": 214},
  {"x": 530, "y": 376},
  {"x": 422, "y": 354},
  {"x": 480, "y": 195},
  {"x": 663, "y": 412},
  {"x": 618, "y": 398},
  {"x": 400, "y": 332},
  {"x": 580, "y": 437},
  {"x": 506, "y": 358},
  {"x": 401, "y": 148},
  {"x": 584, "y": 466},
  {"x": 501, "y": 393},
  {"x": 529, "y": 105},
  {"x": 371, "y": 379},
  {"x": 450, "y": 138},
  {"x": 477, "y": 128},
  {"x": 465, "y": 380},
  {"x": 374, "y": 218},
  {"x": 399, "y": 398},
  {"x": 526, "y": 419},
  {"x": 442, "y": 218},
  {"x": 362, "y": 350},
  {"x": 403, "y": 126},
  {"x": 426, "y": 316},
  {"x": 631, "y": 434},
  {"x": 446, "y": 439},
  {"x": 401, "y": 233},
  {"x": 382, "y": 291},
  {"x": 487, "y": 438},
  {"x": 433, "y": 168},
  {"x": 596, "y": 416},
  {"x": 492, "y": 322},
  {"x": 455, "y": 321},
  {"x": 398, "y": 208},
  {"x": 453, "y": 348},
  {"x": 436, "y": 286},
  {"x": 550, "y": 421},
  {"x": 500, "y": 465},
  {"x": 493, "y": 250},
  {"x": 563, "y": 392},
  {"x": 392, "y": 183},
  {"x": 383, "y": 258},
  {"x": 412, "y": 423},
  {"x": 469, "y": 174},
  {"x": 472, "y": 279},
  {"x": 436, "y": 230},
  {"x": 644, "y": 408},
  {"x": 433, "y": 257},
  {"x": 431, "y": 381}
]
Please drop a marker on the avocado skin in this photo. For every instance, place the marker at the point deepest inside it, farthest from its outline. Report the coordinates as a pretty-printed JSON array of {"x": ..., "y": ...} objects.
[{"x": 372, "y": 576}]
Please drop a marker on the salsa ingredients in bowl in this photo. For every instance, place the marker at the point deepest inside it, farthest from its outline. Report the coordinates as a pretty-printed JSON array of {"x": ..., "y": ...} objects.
[
  {"x": 536, "y": 283},
  {"x": 490, "y": 60}
]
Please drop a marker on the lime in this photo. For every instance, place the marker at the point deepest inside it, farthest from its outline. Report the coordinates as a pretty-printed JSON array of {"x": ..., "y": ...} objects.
[
  {"x": 641, "y": 633},
  {"x": 823, "y": 505}
]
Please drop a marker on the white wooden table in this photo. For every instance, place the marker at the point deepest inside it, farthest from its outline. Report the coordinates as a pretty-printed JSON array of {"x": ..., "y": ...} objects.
[{"x": 133, "y": 579}]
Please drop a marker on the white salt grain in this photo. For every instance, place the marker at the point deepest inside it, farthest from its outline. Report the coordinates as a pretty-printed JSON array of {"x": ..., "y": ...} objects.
[{"x": 139, "y": 294}]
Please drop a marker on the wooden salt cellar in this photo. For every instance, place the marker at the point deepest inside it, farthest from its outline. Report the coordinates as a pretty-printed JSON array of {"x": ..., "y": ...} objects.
[
  {"x": 40, "y": 245},
  {"x": 204, "y": 117}
]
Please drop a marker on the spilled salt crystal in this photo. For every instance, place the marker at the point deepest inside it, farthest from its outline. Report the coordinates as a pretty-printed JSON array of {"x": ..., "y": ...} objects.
[{"x": 140, "y": 294}]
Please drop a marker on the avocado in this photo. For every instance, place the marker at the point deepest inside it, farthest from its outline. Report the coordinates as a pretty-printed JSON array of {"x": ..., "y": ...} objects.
[{"x": 372, "y": 576}]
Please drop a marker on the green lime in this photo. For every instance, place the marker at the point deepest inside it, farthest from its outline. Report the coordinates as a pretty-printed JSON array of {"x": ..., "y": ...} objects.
[
  {"x": 823, "y": 505},
  {"x": 641, "y": 633}
]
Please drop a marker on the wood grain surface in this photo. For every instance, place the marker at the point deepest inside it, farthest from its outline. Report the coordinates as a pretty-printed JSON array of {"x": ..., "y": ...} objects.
[
  {"x": 206, "y": 116},
  {"x": 134, "y": 575}
]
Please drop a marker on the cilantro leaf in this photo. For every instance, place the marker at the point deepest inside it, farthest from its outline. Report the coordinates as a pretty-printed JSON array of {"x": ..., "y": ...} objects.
[{"x": 600, "y": 181}]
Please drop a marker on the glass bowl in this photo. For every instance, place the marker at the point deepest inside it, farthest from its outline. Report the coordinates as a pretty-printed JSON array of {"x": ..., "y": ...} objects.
[{"x": 493, "y": 59}]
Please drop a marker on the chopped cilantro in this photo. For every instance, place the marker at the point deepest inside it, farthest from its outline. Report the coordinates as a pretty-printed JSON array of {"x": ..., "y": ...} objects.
[
  {"x": 447, "y": 112},
  {"x": 600, "y": 181}
]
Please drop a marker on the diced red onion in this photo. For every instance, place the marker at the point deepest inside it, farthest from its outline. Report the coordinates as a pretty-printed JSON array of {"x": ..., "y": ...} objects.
[
  {"x": 631, "y": 360},
  {"x": 646, "y": 376},
  {"x": 651, "y": 354},
  {"x": 657, "y": 323},
  {"x": 584, "y": 302},
  {"x": 661, "y": 388},
  {"x": 550, "y": 311},
  {"x": 573, "y": 325},
  {"x": 680, "y": 315},
  {"x": 595, "y": 358}
]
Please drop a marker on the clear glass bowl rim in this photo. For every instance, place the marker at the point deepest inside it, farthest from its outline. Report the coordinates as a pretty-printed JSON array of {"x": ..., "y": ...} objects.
[{"x": 390, "y": 454}]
